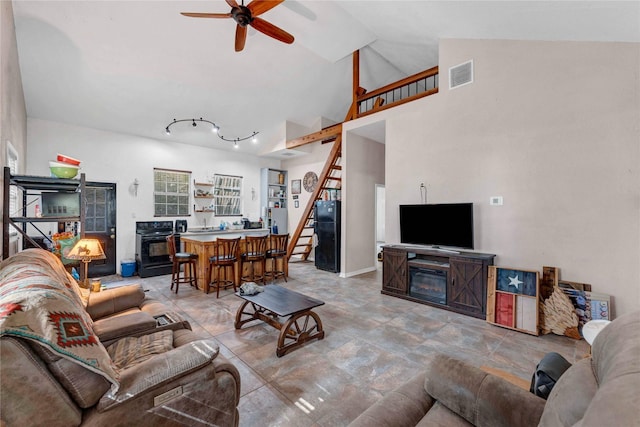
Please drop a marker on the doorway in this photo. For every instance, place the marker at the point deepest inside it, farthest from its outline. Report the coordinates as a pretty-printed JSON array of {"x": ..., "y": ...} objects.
[
  {"x": 380, "y": 217},
  {"x": 100, "y": 223}
]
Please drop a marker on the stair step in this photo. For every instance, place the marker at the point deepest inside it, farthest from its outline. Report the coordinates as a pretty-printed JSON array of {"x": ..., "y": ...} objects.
[
  {"x": 334, "y": 178},
  {"x": 299, "y": 253},
  {"x": 336, "y": 167}
]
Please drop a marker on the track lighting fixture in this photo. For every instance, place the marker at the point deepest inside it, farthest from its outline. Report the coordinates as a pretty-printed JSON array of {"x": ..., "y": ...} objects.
[{"x": 214, "y": 128}]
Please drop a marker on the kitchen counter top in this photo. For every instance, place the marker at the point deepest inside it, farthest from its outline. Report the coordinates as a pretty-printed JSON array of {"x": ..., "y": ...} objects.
[{"x": 211, "y": 236}]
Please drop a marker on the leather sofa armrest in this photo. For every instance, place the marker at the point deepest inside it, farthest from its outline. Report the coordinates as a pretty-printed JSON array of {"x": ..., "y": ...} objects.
[
  {"x": 130, "y": 324},
  {"x": 189, "y": 385},
  {"x": 481, "y": 398},
  {"x": 404, "y": 406},
  {"x": 110, "y": 301},
  {"x": 158, "y": 371}
]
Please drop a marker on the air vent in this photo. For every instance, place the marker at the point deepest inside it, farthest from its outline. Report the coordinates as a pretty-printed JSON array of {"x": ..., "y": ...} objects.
[{"x": 461, "y": 75}]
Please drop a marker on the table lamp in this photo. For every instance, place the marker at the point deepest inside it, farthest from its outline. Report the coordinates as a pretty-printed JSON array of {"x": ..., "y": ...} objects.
[{"x": 86, "y": 250}]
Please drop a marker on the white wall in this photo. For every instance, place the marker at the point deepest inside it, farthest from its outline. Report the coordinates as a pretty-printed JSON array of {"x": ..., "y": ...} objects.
[
  {"x": 553, "y": 128},
  {"x": 363, "y": 168},
  {"x": 13, "y": 113},
  {"x": 111, "y": 157}
]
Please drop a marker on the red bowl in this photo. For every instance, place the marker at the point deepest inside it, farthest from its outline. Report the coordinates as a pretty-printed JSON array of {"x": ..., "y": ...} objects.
[{"x": 68, "y": 160}]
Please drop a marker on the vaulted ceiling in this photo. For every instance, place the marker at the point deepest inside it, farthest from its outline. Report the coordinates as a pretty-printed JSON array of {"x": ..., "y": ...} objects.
[{"x": 133, "y": 66}]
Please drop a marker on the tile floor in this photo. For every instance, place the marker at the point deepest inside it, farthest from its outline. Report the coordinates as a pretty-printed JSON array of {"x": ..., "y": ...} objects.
[{"x": 372, "y": 344}]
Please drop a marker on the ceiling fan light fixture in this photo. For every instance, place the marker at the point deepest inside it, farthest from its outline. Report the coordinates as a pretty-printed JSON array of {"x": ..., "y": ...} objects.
[{"x": 246, "y": 16}]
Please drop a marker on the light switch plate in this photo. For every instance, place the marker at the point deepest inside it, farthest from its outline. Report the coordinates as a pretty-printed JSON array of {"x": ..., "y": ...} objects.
[{"x": 495, "y": 201}]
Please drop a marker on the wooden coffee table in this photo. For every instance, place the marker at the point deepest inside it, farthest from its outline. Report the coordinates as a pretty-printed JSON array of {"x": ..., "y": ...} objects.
[{"x": 302, "y": 324}]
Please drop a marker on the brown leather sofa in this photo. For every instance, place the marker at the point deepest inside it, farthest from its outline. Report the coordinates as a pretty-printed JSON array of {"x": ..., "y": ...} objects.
[
  {"x": 601, "y": 390},
  {"x": 185, "y": 382}
]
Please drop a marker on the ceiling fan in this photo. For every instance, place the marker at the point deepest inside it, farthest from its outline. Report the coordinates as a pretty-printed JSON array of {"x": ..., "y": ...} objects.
[{"x": 248, "y": 15}]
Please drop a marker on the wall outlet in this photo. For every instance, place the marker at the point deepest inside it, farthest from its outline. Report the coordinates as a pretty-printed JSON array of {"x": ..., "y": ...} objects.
[{"x": 495, "y": 201}]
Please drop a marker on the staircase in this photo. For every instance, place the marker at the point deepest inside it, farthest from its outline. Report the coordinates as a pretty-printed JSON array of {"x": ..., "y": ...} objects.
[
  {"x": 406, "y": 90},
  {"x": 330, "y": 179}
]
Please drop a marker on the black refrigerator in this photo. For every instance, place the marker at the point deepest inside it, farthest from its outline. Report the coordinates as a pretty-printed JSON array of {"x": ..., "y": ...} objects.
[{"x": 326, "y": 217}]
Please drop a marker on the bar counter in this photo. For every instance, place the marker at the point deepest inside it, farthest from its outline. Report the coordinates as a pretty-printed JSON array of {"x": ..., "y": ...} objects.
[{"x": 202, "y": 243}]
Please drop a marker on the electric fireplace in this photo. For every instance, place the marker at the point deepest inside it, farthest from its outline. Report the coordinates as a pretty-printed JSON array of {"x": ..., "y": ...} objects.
[{"x": 428, "y": 282}]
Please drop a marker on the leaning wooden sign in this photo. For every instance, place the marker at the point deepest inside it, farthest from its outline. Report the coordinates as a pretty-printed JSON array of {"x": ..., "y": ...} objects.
[{"x": 513, "y": 299}]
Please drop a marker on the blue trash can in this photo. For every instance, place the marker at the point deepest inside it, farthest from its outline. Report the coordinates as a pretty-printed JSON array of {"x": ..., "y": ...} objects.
[{"x": 128, "y": 267}]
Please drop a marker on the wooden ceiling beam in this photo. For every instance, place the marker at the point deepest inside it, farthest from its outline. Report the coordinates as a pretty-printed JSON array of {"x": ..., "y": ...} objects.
[{"x": 329, "y": 132}]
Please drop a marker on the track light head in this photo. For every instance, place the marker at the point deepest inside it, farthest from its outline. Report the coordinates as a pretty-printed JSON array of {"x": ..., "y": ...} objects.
[{"x": 214, "y": 128}]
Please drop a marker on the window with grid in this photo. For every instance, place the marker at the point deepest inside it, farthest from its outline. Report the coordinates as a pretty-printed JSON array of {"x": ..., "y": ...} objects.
[
  {"x": 171, "y": 192},
  {"x": 12, "y": 162},
  {"x": 227, "y": 191},
  {"x": 96, "y": 207}
]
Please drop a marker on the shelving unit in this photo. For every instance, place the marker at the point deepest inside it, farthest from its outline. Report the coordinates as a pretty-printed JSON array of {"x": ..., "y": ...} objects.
[
  {"x": 274, "y": 189},
  {"x": 273, "y": 198},
  {"x": 33, "y": 186},
  {"x": 203, "y": 196}
]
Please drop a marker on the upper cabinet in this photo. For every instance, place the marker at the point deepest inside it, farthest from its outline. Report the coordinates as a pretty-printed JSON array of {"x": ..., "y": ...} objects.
[{"x": 273, "y": 188}]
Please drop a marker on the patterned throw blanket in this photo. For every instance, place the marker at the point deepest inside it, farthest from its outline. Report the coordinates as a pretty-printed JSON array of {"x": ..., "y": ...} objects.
[{"x": 41, "y": 302}]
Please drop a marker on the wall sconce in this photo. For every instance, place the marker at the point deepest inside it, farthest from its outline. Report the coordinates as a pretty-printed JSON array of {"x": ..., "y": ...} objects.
[{"x": 135, "y": 187}]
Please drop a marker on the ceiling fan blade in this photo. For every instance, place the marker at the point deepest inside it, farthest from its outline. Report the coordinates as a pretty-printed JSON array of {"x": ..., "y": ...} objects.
[
  {"x": 206, "y": 15},
  {"x": 258, "y": 7},
  {"x": 232, "y": 3},
  {"x": 271, "y": 30},
  {"x": 241, "y": 37}
]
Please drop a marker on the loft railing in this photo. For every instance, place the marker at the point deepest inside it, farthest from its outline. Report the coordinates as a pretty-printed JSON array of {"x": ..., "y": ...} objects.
[{"x": 408, "y": 89}]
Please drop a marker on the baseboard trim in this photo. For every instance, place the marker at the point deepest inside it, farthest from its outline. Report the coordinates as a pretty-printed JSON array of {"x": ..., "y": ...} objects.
[{"x": 358, "y": 272}]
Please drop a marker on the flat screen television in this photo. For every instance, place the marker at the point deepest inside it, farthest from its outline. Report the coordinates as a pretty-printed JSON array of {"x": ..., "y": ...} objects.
[{"x": 446, "y": 224}]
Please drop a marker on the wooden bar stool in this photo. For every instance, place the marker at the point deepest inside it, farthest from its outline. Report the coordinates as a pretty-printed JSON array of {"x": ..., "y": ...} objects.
[
  {"x": 255, "y": 251},
  {"x": 277, "y": 250},
  {"x": 225, "y": 255},
  {"x": 178, "y": 259}
]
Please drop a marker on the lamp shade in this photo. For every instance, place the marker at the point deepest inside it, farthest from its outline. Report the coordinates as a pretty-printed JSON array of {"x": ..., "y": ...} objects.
[{"x": 87, "y": 250}]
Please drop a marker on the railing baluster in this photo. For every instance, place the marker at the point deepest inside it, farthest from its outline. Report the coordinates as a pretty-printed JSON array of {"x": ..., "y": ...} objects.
[{"x": 421, "y": 83}]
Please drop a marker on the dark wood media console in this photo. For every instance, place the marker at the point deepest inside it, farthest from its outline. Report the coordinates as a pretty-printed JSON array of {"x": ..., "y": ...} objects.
[{"x": 455, "y": 281}]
